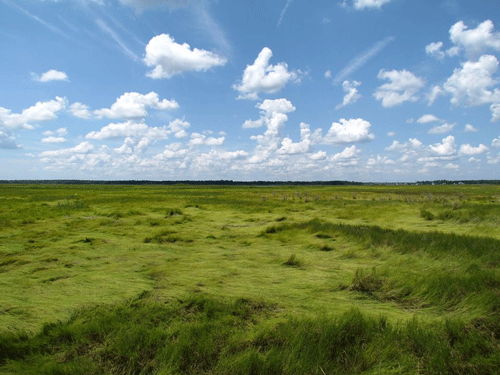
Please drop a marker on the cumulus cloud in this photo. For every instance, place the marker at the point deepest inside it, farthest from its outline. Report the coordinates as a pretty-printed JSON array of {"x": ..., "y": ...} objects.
[
  {"x": 328, "y": 74},
  {"x": 198, "y": 139},
  {"x": 467, "y": 149},
  {"x": 53, "y": 140},
  {"x": 403, "y": 87},
  {"x": 129, "y": 129},
  {"x": 304, "y": 146},
  {"x": 41, "y": 111},
  {"x": 470, "y": 128},
  {"x": 434, "y": 50},
  {"x": 470, "y": 85},
  {"x": 442, "y": 129},
  {"x": 133, "y": 105},
  {"x": 7, "y": 141},
  {"x": 352, "y": 95},
  {"x": 169, "y": 58},
  {"x": 349, "y": 156},
  {"x": 446, "y": 148},
  {"x": 272, "y": 106},
  {"x": 475, "y": 41},
  {"x": 369, "y": 4},
  {"x": 178, "y": 127},
  {"x": 80, "y": 110},
  {"x": 51, "y": 75},
  {"x": 81, "y": 148},
  {"x": 425, "y": 119},
  {"x": 435, "y": 92},
  {"x": 264, "y": 77},
  {"x": 495, "y": 111},
  {"x": 348, "y": 131}
]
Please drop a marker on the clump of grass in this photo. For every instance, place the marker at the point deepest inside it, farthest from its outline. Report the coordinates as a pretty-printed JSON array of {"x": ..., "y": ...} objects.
[
  {"x": 326, "y": 248},
  {"x": 293, "y": 261},
  {"x": 367, "y": 282},
  {"x": 282, "y": 218},
  {"x": 174, "y": 212},
  {"x": 163, "y": 237},
  {"x": 427, "y": 215}
]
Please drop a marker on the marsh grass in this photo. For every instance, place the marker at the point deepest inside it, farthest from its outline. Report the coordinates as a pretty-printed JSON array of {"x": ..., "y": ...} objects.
[{"x": 119, "y": 279}]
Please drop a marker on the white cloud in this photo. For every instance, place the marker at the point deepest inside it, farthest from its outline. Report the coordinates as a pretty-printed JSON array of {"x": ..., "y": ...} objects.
[
  {"x": 472, "y": 159},
  {"x": 425, "y": 119},
  {"x": 435, "y": 92},
  {"x": 263, "y": 77},
  {"x": 272, "y": 106},
  {"x": 80, "y": 110},
  {"x": 391, "y": 134},
  {"x": 470, "y": 128},
  {"x": 178, "y": 127},
  {"x": 250, "y": 124},
  {"x": 320, "y": 155},
  {"x": 434, "y": 50},
  {"x": 81, "y": 148},
  {"x": 364, "y": 4},
  {"x": 469, "y": 85},
  {"x": 467, "y": 149},
  {"x": 328, "y": 74},
  {"x": 362, "y": 59},
  {"x": 446, "y": 148},
  {"x": 170, "y": 58},
  {"x": 475, "y": 41},
  {"x": 133, "y": 105},
  {"x": 403, "y": 87},
  {"x": 452, "y": 166},
  {"x": 304, "y": 146},
  {"x": 282, "y": 15},
  {"x": 51, "y": 75},
  {"x": 349, "y": 156},
  {"x": 495, "y": 110},
  {"x": 62, "y": 131},
  {"x": 495, "y": 142},
  {"x": 198, "y": 139},
  {"x": 442, "y": 129},
  {"x": 380, "y": 160},
  {"x": 41, "y": 111},
  {"x": 53, "y": 140},
  {"x": 352, "y": 95},
  {"x": 129, "y": 129},
  {"x": 347, "y": 131},
  {"x": 113, "y": 34},
  {"x": 7, "y": 141}
]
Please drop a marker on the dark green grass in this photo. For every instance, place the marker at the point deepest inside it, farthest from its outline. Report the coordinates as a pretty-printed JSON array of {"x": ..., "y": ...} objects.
[{"x": 202, "y": 335}]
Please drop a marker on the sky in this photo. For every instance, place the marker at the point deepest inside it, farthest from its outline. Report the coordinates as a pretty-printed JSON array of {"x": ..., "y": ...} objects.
[{"x": 284, "y": 90}]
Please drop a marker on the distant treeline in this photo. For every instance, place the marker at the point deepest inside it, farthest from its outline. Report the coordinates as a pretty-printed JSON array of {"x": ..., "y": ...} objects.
[
  {"x": 242, "y": 183},
  {"x": 179, "y": 182}
]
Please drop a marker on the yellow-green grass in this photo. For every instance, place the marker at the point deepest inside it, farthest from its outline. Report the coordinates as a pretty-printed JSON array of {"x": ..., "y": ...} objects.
[{"x": 396, "y": 253}]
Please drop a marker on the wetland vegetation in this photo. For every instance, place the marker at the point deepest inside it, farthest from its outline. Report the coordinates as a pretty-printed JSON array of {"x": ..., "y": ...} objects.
[{"x": 182, "y": 279}]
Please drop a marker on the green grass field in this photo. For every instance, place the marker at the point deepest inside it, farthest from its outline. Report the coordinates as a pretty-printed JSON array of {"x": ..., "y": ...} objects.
[{"x": 249, "y": 280}]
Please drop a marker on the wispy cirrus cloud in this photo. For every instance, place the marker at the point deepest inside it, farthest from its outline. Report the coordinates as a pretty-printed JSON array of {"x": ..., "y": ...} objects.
[
  {"x": 108, "y": 30},
  {"x": 282, "y": 15},
  {"x": 38, "y": 19},
  {"x": 362, "y": 59}
]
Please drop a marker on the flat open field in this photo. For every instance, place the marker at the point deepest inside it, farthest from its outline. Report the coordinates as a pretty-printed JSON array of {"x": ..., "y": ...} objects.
[{"x": 249, "y": 280}]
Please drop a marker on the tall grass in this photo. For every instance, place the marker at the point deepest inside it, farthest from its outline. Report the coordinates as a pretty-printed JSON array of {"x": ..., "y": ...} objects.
[{"x": 202, "y": 335}]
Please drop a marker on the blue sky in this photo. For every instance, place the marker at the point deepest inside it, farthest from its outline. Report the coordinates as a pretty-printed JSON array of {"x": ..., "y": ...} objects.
[{"x": 364, "y": 90}]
